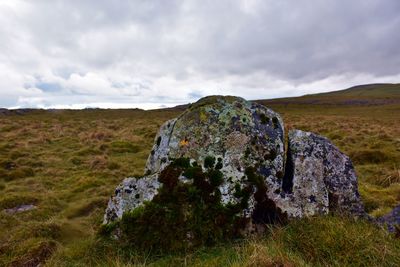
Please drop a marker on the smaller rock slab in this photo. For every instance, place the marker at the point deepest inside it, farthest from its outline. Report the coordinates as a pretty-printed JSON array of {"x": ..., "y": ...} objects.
[
  {"x": 20, "y": 208},
  {"x": 319, "y": 178},
  {"x": 391, "y": 220}
]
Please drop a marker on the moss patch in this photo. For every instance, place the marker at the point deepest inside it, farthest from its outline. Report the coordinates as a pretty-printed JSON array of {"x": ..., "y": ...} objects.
[
  {"x": 185, "y": 215},
  {"x": 264, "y": 119},
  {"x": 182, "y": 215}
]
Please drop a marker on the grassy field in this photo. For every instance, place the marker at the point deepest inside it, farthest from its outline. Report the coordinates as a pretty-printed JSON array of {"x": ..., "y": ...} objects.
[{"x": 68, "y": 163}]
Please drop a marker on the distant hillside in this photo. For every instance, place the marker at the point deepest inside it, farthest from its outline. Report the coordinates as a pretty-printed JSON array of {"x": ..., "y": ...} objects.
[
  {"x": 369, "y": 90},
  {"x": 369, "y": 94}
]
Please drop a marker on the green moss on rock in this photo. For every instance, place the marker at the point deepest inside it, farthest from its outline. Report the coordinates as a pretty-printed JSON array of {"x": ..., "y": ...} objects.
[
  {"x": 182, "y": 215},
  {"x": 209, "y": 162},
  {"x": 264, "y": 119}
]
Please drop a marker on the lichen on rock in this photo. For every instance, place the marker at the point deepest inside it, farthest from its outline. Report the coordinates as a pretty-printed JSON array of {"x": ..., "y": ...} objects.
[
  {"x": 232, "y": 151},
  {"x": 130, "y": 194},
  {"x": 319, "y": 179},
  {"x": 238, "y": 133}
]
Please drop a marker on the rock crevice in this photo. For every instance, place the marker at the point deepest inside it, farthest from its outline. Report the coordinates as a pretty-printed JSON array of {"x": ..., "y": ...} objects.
[{"x": 287, "y": 183}]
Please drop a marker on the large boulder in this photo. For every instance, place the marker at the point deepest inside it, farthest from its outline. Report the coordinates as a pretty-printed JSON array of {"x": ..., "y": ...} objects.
[
  {"x": 246, "y": 142},
  {"x": 237, "y": 133}
]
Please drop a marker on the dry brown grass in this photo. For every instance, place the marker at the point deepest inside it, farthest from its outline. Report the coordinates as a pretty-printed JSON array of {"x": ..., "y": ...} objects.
[{"x": 69, "y": 162}]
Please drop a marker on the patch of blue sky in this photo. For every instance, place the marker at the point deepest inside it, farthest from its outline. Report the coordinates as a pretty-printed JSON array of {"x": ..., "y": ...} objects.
[{"x": 48, "y": 87}]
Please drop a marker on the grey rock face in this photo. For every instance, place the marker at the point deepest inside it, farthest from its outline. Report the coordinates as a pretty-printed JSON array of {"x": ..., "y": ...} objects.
[
  {"x": 239, "y": 132},
  {"x": 158, "y": 158},
  {"x": 131, "y": 193},
  {"x": 317, "y": 179}
]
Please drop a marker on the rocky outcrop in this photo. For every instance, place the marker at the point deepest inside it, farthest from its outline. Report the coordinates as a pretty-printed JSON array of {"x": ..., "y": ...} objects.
[{"x": 245, "y": 142}]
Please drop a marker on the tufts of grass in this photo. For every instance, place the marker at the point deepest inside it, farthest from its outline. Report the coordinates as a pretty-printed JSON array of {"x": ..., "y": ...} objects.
[
  {"x": 377, "y": 198},
  {"x": 76, "y": 160},
  {"x": 32, "y": 252},
  {"x": 88, "y": 151},
  {"x": 98, "y": 162},
  {"x": 8, "y": 201},
  {"x": 87, "y": 206},
  {"x": 369, "y": 156},
  {"x": 2, "y": 186},
  {"x": 48, "y": 230},
  {"x": 113, "y": 165},
  {"x": 323, "y": 241},
  {"x": 124, "y": 147},
  {"x": 19, "y": 173},
  {"x": 60, "y": 146},
  {"x": 341, "y": 242},
  {"x": 84, "y": 184}
]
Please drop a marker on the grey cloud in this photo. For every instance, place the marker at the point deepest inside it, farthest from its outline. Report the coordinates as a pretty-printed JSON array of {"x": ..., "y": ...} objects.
[
  {"x": 195, "y": 95},
  {"x": 175, "y": 51}
]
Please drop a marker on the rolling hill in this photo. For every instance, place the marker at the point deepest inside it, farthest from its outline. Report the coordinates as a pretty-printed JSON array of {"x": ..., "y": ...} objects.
[
  {"x": 369, "y": 94},
  {"x": 368, "y": 90}
]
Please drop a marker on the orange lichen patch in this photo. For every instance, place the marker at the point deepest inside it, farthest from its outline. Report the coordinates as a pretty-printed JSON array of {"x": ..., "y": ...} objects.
[{"x": 184, "y": 142}]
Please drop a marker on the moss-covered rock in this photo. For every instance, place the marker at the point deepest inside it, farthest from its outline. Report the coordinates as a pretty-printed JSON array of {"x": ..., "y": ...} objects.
[
  {"x": 236, "y": 132},
  {"x": 188, "y": 212},
  {"x": 218, "y": 171},
  {"x": 228, "y": 134}
]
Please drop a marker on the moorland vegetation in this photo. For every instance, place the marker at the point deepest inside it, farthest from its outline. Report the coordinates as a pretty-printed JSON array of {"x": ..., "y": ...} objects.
[{"x": 67, "y": 163}]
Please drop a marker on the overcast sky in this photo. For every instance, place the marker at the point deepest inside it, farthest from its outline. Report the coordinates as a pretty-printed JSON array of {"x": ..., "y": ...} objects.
[{"x": 103, "y": 53}]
